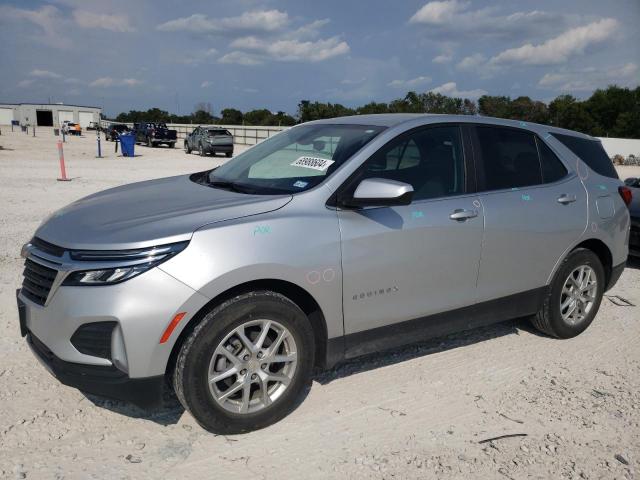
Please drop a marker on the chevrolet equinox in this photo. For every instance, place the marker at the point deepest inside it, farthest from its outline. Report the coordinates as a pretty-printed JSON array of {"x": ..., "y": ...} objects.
[{"x": 330, "y": 240}]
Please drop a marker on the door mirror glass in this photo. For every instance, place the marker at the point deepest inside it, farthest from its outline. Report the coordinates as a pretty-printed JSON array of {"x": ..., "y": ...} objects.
[{"x": 381, "y": 192}]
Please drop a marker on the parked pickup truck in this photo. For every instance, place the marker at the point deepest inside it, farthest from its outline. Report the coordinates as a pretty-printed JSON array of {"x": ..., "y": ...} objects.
[{"x": 152, "y": 134}]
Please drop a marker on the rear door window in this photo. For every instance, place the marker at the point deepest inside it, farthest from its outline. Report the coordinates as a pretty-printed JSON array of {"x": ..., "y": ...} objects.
[
  {"x": 509, "y": 158},
  {"x": 552, "y": 168},
  {"x": 590, "y": 152}
]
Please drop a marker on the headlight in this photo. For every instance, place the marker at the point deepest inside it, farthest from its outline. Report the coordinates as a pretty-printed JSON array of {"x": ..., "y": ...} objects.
[{"x": 123, "y": 264}]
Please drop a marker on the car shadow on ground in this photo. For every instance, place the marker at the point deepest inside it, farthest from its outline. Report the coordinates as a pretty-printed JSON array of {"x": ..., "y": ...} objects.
[
  {"x": 171, "y": 410},
  {"x": 633, "y": 262},
  {"x": 436, "y": 345}
]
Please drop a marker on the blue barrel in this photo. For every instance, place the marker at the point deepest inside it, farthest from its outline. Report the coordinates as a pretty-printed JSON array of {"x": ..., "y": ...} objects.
[{"x": 127, "y": 143}]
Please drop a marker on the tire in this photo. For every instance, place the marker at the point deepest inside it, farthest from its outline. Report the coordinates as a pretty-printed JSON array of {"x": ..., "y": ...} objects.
[
  {"x": 229, "y": 154},
  {"x": 202, "y": 152},
  {"x": 187, "y": 148},
  {"x": 172, "y": 144},
  {"x": 549, "y": 318},
  {"x": 149, "y": 143},
  {"x": 199, "y": 353}
]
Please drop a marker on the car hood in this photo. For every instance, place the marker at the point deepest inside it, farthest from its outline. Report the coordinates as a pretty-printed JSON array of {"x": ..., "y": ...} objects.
[{"x": 149, "y": 213}]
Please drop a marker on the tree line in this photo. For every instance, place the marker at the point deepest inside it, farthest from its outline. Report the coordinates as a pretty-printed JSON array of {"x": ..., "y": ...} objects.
[{"x": 613, "y": 111}]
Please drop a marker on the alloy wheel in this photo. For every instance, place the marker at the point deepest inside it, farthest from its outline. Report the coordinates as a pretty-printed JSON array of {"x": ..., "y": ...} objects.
[
  {"x": 252, "y": 366},
  {"x": 578, "y": 294}
]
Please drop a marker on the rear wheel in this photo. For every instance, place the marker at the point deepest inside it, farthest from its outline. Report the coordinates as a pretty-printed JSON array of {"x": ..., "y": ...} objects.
[
  {"x": 187, "y": 148},
  {"x": 247, "y": 364},
  {"x": 229, "y": 154},
  {"x": 149, "y": 142},
  {"x": 574, "y": 296},
  {"x": 202, "y": 152}
]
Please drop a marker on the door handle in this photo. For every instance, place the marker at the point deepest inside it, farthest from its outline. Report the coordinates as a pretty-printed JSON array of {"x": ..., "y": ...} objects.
[
  {"x": 462, "y": 215},
  {"x": 565, "y": 199}
]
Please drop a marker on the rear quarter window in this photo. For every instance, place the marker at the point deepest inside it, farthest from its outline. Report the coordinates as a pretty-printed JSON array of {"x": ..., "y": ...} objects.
[{"x": 590, "y": 152}]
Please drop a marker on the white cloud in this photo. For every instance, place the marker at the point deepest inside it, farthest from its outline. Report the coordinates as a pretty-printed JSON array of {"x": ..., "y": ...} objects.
[
  {"x": 114, "y": 23},
  {"x": 412, "y": 83},
  {"x": 438, "y": 13},
  {"x": 471, "y": 62},
  {"x": 106, "y": 82},
  {"x": 44, "y": 74},
  {"x": 198, "y": 58},
  {"x": 444, "y": 58},
  {"x": 451, "y": 89},
  {"x": 47, "y": 18},
  {"x": 259, "y": 21},
  {"x": 588, "y": 79},
  {"x": 206, "y": 84},
  {"x": 240, "y": 58},
  {"x": 310, "y": 30},
  {"x": 293, "y": 50},
  {"x": 561, "y": 48},
  {"x": 27, "y": 82},
  {"x": 453, "y": 18}
]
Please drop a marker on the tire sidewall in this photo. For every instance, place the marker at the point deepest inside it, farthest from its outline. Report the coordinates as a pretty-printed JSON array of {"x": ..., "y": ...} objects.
[
  {"x": 573, "y": 261},
  {"x": 196, "y": 353}
]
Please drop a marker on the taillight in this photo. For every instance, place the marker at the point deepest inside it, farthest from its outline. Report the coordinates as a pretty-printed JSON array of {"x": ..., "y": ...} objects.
[{"x": 626, "y": 194}]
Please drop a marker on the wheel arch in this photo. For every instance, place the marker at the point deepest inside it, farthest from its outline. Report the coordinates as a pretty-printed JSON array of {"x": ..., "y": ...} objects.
[
  {"x": 293, "y": 292},
  {"x": 603, "y": 253},
  {"x": 597, "y": 246}
]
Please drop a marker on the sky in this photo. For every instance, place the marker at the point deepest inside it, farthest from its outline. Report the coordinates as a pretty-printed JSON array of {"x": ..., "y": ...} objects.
[{"x": 124, "y": 55}]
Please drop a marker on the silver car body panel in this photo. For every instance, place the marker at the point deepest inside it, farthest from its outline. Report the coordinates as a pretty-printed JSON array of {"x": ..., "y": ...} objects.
[{"x": 421, "y": 259}]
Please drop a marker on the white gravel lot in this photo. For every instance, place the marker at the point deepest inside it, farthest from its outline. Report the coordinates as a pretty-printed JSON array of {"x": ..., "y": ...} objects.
[{"x": 416, "y": 412}]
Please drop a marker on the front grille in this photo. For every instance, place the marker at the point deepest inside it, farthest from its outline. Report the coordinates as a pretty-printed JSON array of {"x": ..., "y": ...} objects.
[
  {"x": 94, "y": 339},
  {"x": 37, "y": 281}
]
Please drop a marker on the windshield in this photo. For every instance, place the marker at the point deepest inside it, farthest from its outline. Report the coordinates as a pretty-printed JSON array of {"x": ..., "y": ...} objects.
[{"x": 294, "y": 160}]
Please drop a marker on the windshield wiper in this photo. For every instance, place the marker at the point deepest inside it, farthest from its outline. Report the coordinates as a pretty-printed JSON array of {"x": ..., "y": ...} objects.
[{"x": 227, "y": 185}]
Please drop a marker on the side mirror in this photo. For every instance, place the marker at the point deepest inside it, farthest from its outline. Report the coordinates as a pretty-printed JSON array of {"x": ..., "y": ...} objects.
[
  {"x": 380, "y": 192},
  {"x": 632, "y": 182}
]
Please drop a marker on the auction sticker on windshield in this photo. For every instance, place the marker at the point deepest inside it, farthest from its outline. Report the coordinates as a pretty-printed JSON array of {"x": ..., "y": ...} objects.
[{"x": 320, "y": 164}]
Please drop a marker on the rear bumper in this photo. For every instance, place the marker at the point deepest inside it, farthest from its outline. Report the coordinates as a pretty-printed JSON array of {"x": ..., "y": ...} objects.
[
  {"x": 219, "y": 148},
  {"x": 616, "y": 272},
  {"x": 106, "y": 381}
]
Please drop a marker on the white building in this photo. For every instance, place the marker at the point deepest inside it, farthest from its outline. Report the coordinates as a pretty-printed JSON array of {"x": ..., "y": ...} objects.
[{"x": 48, "y": 115}]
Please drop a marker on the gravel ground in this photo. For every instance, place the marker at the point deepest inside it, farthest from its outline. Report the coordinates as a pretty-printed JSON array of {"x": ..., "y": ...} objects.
[{"x": 569, "y": 409}]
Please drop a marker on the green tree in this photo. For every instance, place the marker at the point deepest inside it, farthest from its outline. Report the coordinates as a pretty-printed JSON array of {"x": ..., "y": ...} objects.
[
  {"x": 491, "y": 106},
  {"x": 231, "y": 116}
]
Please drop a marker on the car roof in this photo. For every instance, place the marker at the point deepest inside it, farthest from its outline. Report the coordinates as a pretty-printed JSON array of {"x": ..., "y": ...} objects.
[{"x": 394, "y": 119}]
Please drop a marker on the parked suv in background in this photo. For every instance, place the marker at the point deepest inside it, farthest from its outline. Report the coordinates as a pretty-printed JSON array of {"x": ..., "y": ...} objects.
[
  {"x": 154, "y": 134},
  {"x": 209, "y": 140},
  {"x": 634, "y": 210},
  {"x": 330, "y": 240}
]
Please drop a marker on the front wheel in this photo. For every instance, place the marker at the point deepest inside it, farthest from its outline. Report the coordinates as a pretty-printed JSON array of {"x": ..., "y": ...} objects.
[
  {"x": 187, "y": 148},
  {"x": 574, "y": 296},
  {"x": 247, "y": 364},
  {"x": 202, "y": 152}
]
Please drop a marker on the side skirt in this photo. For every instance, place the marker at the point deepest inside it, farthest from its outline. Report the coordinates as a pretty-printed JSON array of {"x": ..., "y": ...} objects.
[{"x": 466, "y": 318}]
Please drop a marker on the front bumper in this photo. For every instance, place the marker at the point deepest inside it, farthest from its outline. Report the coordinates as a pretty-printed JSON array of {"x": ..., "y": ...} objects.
[{"x": 105, "y": 381}]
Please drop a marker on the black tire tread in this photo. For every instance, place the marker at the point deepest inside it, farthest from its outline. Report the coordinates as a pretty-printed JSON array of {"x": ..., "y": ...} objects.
[{"x": 178, "y": 379}]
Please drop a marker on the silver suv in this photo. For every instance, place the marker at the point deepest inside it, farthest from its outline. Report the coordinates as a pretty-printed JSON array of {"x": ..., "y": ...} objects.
[{"x": 332, "y": 239}]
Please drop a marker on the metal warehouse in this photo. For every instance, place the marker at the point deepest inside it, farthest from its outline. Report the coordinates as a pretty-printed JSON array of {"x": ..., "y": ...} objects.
[{"x": 48, "y": 115}]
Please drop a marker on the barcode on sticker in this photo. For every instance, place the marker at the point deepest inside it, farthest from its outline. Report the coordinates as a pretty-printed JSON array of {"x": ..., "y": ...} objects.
[{"x": 320, "y": 164}]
